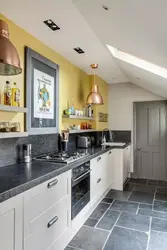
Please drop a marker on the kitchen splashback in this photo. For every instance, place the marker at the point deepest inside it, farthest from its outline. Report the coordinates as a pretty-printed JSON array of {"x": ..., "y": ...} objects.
[
  {"x": 40, "y": 144},
  {"x": 120, "y": 136},
  {"x": 49, "y": 143}
]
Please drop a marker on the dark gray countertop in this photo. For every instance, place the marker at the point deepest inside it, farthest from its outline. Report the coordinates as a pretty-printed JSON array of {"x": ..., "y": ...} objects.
[{"x": 19, "y": 177}]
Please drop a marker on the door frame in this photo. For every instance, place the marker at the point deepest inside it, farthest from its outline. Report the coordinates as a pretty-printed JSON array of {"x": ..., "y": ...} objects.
[{"x": 134, "y": 132}]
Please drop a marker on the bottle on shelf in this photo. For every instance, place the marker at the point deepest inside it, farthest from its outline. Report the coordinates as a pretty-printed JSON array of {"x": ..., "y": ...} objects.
[
  {"x": 72, "y": 108},
  {"x": 7, "y": 94},
  {"x": 15, "y": 96},
  {"x": 89, "y": 110}
]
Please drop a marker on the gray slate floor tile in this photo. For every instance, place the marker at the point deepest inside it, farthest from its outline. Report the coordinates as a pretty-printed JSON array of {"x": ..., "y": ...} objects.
[
  {"x": 125, "y": 239},
  {"x": 162, "y": 197},
  {"x": 99, "y": 211},
  {"x": 141, "y": 181},
  {"x": 71, "y": 248},
  {"x": 108, "y": 200},
  {"x": 133, "y": 221},
  {"x": 144, "y": 188},
  {"x": 119, "y": 195},
  {"x": 159, "y": 225},
  {"x": 162, "y": 183},
  {"x": 162, "y": 190},
  {"x": 129, "y": 186},
  {"x": 91, "y": 222},
  {"x": 89, "y": 238},
  {"x": 108, "y": 220},
  {"x": 160, "y": 206},
  {"x": 145, "y": 206},
  {"x": 152, "y": 182},
  {"x": 152, "y": 213},
  {"x": 142, "y": 197},
  {"x": 124, "y": 206},
  {"x": 158, "y": 241}
]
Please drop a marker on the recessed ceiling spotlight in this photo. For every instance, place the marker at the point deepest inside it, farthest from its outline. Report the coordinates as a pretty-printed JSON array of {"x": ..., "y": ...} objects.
[
  {"x": 105, "y": 7},
  {"x": 51, "y": 25},
  {"x": 79, "y": 50}
]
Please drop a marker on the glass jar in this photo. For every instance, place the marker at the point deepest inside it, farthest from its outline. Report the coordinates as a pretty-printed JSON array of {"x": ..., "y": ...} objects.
[
  {"x": 5, "y": 127},
  {"x": 15, "y": 127}
]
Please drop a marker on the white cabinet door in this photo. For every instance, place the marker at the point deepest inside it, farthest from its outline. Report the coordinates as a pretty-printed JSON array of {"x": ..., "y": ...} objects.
[
  {"x": 99, "y": 175},
  {"x": 117, "y": 169},
  {"x": 110, "y": 166},
  {"x": 126, "y": 162},
  {"x": 11, "y": 221},
  {"x": 128, "y": 155}
]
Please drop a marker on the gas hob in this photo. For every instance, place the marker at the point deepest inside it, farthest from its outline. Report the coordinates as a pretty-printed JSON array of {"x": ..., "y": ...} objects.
[{"x": 61, "y": 157}]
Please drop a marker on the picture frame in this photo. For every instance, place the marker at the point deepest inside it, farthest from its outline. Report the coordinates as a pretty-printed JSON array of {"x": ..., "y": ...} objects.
[{"x": 42, "y": 94}]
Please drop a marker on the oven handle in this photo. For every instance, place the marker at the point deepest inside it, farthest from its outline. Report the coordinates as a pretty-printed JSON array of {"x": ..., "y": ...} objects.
[{"x": 77, "y": 179}]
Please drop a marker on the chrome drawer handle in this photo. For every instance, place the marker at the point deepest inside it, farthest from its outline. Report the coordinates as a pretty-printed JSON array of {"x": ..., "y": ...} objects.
[
  {"x": 50, "y": 223},
  {"x": 99, "y": 180},
  {"x": 99, "y": 158},
  {"x": 52, "y": 183}
]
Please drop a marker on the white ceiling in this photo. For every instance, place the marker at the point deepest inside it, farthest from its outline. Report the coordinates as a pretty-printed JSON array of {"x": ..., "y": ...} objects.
[{"x": 134, "y": 26}]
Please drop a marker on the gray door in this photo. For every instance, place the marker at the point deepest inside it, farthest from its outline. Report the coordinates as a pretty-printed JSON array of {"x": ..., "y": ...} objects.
[{"x": 150, "y": 140}]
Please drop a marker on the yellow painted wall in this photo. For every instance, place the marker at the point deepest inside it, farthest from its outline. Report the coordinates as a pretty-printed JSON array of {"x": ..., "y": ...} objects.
[{"x": 74, "y": 83}]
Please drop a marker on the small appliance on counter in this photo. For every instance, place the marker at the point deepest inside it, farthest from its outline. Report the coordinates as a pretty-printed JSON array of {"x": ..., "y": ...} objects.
[
  {"x": 83, "y": 142},
  {"x": 27, "y": 153}
]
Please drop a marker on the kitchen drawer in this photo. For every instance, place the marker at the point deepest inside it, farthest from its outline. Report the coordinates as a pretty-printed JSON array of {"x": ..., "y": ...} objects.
[
  {"x": 98, "y": 178},
  {"x": 46, "y": 229},
  {"x": 96, "y": 184},
  {"x": 37, "y": 200}
]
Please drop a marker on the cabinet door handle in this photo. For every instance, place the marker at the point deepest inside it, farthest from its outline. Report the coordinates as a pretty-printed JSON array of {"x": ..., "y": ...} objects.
[
  {"x": 99, "y": 158},
  {"x": 138, "y": 149},
  {"x": 52, "y": 221},
  {"x": 99, "y": 180},
  {"x": 52, "y": 183},
  {"x": 110, "y": 153}
]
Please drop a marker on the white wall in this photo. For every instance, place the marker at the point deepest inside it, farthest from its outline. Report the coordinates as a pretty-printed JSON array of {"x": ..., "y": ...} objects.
[{"x": 121, "y": 98}]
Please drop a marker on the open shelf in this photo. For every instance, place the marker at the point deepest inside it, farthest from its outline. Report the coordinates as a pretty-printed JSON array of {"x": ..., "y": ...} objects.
[
  {"x": 13, "y": 109},
  {"x": 78, "y": 117},
  {"x": 73, "y": 131},
  {"x": 13, "y": 134}
]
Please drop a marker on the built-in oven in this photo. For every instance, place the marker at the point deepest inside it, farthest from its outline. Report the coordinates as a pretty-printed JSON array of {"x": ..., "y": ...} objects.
[{"x": 80, "y": 188}]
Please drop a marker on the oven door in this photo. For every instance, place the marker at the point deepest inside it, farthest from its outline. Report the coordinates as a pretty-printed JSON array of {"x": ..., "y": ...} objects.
[{"x": 80, "y": 193}]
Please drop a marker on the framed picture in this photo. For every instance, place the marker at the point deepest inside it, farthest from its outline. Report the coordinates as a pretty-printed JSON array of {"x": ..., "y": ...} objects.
[{"x": 42, "y": 93}]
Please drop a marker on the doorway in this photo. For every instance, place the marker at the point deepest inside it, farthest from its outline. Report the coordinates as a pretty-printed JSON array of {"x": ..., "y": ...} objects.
[{"x": 150, "y": 128}]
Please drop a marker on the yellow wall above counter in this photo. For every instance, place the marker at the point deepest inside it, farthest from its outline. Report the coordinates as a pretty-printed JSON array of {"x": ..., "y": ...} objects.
[{"x": 73, "y": 82}]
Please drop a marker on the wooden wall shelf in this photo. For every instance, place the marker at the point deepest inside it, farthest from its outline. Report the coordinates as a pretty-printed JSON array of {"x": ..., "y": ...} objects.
[
  {"x": 7, "y": 108},
  {"x": 73, "y": 131},
  {"x": 78, "y": 117},
  {"x": 13, "y": 135}
]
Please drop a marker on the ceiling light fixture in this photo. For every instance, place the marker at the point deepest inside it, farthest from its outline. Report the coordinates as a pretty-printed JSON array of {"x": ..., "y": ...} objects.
[
  {"x": 140, "y": 63},
  {"x": 9, "y": 58},
  {"x": 51, "y": 25},
  {"x": 79, "y": 50},
  {"x": 105, "y": 7},
  {"x": 94, "y": 97}
]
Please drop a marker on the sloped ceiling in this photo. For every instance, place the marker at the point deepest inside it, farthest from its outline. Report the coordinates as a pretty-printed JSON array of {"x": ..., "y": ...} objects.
[{"x": 136, "y": 27}]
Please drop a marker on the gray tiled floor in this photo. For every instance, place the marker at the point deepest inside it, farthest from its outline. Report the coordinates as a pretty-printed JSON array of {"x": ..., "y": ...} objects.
[{"x": 135, "y": 219}]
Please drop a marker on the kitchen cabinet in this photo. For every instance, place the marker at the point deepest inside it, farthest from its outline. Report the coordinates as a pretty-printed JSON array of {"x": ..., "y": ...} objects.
[
  {"x": 11, "y": 224},
  {"x": 47, "y": 213},
  {"x": 98, "y": 176},
  {"x": 119, "y": 161},
  {"x": 126, "y": 162}
]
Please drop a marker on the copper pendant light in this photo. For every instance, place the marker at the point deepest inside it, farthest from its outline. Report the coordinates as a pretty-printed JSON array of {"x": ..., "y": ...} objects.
[
  {"x": 94, "y": 97},
  {"x": 9, "y": 58}
]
